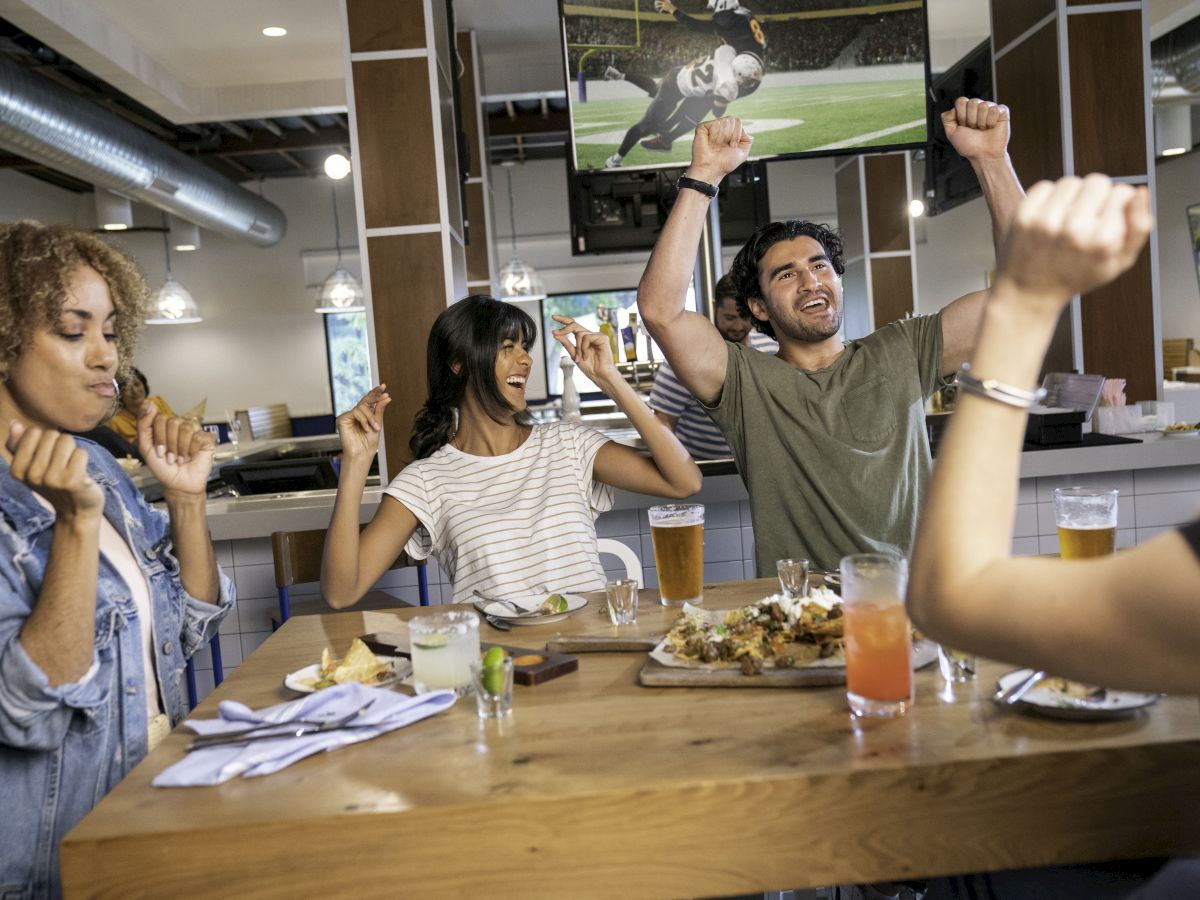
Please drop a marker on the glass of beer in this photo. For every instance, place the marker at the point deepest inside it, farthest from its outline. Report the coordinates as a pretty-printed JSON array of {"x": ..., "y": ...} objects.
[
  {"x": 677, "y": 532},
  {"x": 1086, "y": 520},
  {"x": 879, "y": 677}
]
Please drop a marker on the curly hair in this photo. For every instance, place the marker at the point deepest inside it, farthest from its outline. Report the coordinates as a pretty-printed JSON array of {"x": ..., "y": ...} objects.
[
  {"x": 36, "y": 264},
  {"x": 744, "y": 270}
]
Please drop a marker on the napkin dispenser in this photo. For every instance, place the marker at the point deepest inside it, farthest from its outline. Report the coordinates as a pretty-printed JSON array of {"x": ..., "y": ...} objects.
[{"x": 1051, "y": 426}]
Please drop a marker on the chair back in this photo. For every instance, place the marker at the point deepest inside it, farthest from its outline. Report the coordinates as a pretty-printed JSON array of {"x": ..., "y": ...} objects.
[
  {"x": 269, "y": 421},
  {"x": 1176, "y": 354},
  {"x": 633, "y": 565}
]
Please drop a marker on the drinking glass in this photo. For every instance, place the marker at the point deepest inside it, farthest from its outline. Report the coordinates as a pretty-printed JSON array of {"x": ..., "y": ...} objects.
[
  {"x": 879, "y": 679},
  {"x": 443, "y": 647},
  {"x": 235, "y": 427},
  {"x": 622, "y": 601},
  {"x": 956, "y": 666},
  {"x": 793, "y": 577},
  {"x": 493, "y": 688},
  {"x": 677, "y": 533},
  {"x": 1087, "y": 521}
]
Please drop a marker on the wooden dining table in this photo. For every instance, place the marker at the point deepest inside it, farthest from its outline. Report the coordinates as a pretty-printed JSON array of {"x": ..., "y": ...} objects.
[{"x": 600, "y": 787}]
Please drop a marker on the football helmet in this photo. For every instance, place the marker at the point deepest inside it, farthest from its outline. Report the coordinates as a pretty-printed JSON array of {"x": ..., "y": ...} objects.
[
  {"x": 722, "y": 5},
  {"x": 747, "y": 68}
]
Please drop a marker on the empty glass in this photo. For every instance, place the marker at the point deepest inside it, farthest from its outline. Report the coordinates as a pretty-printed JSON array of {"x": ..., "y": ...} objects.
[
  {"x": 793, "y": 577},
  {"x": 235, "y": 427},
  {"x": 957, "y": 666},
  {"x": 622, "y": 601}
]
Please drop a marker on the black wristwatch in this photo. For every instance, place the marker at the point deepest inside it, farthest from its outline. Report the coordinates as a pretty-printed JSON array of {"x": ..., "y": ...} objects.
[{"x": 708, "y": 190}]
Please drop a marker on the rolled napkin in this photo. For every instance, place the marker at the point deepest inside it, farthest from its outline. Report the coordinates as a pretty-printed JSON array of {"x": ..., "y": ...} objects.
[{"x": 384, "y": 711}]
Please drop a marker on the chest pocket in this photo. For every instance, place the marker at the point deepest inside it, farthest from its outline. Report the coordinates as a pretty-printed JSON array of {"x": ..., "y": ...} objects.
[{"x": 870, "y": 411}]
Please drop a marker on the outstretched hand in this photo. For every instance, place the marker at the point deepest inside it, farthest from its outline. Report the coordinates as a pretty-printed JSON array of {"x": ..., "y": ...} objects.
[
  {"x": 977, "y": 129},
  {"x": 665, "y": 6},
  {"x": 719, "y": 147},
  {"x": 177, "y": 451},
  {"x": 590, "y": 350},
  {"x": 359, "y": 427},
  {"x": 1073, "y": 235}
]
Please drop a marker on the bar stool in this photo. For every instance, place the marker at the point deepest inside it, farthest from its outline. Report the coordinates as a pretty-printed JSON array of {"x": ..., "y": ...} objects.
[{"x": 297, "y": 557}]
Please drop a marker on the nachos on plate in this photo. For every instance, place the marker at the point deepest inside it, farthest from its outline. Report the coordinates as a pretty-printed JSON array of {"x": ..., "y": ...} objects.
[{"x": 359, "y": 664}]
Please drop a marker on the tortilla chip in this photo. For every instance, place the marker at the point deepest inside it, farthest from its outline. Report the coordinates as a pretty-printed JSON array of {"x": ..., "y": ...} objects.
[{"x": 359, "y": 664}]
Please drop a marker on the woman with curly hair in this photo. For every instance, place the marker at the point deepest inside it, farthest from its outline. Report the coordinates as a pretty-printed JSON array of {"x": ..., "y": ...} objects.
[{"x": 102, "y": 598}]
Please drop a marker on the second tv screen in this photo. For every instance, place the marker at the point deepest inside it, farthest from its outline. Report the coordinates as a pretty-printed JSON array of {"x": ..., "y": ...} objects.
[{"x": 807, "y": 77}]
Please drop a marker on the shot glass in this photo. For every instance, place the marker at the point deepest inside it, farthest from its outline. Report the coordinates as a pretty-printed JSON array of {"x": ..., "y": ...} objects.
[
  {"x": 493, "y": 688},
  {"x": 622, "y": 601},
  {"x": 957, "y": 666},
  {"x": 793, "y": 577},
  {"x": 879, "y": 678},
  {"x": 1087, "y": 521}
]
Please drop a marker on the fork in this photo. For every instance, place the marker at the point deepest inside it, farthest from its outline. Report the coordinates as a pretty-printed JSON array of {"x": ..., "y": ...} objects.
[
  {"x": 306, "y": 726},
  {"x": 518, "y": 611}
]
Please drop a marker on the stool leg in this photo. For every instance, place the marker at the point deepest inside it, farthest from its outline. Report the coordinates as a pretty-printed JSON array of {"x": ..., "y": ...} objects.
[
  {"x": 190, "y": 675},
  {"x": 423, "y": 584},
  {"x": 218, "y": 668},
  {"x": 285, "y": 606}
]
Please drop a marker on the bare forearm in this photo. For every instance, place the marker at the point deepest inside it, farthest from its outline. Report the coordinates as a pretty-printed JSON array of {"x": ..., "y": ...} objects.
[
  {"x": 339, "y": 565},
  {"x": 60, "y": 632},
  {"x": 664, "y": 284},
  {"x": 669, "y": 456},
  {"x": 1003, "y": 192},
  {"x": 193, "y": 545}
]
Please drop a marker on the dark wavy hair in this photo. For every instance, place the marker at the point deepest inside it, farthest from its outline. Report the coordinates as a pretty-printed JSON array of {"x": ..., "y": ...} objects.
[
  {"x": 744, "y": 271},
  {"x": 461, "y": 355}
]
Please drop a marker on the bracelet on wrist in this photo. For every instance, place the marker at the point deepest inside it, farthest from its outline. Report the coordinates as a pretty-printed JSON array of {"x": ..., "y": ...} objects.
[
  {"x": 991, "y": 389},
  {"x": 708, "y": 190}
]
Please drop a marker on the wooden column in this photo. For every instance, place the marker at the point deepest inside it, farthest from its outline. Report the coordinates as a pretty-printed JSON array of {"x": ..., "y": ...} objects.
[
  {"x": 1074, "y": 74},
  {"x": 879, "y": 286},
  {"x": 399, "y": 86},
  {"x": 481, "y": 259}
]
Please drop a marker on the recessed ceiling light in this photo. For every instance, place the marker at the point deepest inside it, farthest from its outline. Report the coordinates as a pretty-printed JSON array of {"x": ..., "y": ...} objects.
[
  {"x": 1174, "y": 151},
  {"x": 274, "y": 31},
  {"x": 337, "y": 166},
  {"x": 916, "y": 208}
]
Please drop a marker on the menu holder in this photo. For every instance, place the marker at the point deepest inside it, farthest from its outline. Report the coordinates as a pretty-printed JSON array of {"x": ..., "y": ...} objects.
[{"x": 1067, "y": 390}]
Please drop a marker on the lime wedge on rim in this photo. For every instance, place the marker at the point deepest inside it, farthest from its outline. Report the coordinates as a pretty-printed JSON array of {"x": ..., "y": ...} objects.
[{"x": 431, "y": 641}]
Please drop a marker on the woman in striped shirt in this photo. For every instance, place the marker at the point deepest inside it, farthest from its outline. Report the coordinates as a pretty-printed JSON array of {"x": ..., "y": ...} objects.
[{"x": 507, "y": 507}]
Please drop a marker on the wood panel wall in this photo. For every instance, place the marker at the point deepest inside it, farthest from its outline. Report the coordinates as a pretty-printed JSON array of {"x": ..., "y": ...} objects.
[{"x": 480, "y": 245}]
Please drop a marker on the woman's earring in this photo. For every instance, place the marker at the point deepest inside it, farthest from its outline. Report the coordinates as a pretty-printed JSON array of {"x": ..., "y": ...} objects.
[
  {"x": 117, "y": 387},
  {"x": 453, "y": 421}
]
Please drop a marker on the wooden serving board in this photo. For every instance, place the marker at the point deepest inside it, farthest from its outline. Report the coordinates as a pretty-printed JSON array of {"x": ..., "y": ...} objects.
[
  {"x": 603, "y": 643},
  {"x": 655, "y": 674},
  {"x": 393, "y": 643}
]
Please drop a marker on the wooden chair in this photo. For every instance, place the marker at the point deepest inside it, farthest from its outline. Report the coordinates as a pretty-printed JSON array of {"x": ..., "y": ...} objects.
[
  {"x": 1176, "y": 354},
  {"x": 269, "y": 421},
  {"x": 298, "y": 561}
]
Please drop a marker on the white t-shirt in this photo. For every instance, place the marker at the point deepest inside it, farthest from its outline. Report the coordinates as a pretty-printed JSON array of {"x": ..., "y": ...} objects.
[{"x": 517, "y": 524}]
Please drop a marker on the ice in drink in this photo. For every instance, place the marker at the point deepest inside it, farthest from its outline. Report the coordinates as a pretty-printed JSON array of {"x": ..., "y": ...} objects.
[
  {"x": 878, "y": 636},
  {"x": 443, "y": 647},
  {"x": 1086, "y": 520},
  {"x": 677, "y": 533}
]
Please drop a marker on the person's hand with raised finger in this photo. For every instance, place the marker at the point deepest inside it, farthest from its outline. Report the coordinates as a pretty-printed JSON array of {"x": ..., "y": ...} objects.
[
  {"x": 591, "y": 351},
  {"x": 360, "y": 427},
  {"x": 176, "y": 450},
  {"x": 52, "y": 464},
  {"x": 665, "y": 6},
  {"x": 977, "y": 129},
  {"x": 719, "y": 147}
]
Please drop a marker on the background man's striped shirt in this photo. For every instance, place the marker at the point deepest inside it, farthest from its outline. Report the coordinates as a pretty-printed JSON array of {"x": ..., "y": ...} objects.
[
  {"x": 515, "y": 525},
  {"x": 696, "y": 431}
]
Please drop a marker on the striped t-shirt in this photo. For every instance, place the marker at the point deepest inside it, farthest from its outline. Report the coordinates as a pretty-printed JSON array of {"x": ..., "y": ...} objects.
[
  {"x": 697, "y": 432},
  {"x": 515, "y": 525}
]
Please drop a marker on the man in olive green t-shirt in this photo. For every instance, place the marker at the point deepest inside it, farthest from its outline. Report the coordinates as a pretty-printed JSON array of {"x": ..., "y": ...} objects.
[{"x": 829, "y": 435}]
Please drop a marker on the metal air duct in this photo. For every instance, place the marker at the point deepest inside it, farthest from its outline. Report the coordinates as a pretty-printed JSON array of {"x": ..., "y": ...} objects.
[{"x": 51, "y": 126}]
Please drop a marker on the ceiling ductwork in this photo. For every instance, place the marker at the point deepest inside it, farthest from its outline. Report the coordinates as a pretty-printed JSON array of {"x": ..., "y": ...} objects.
[
  {"x": 53, "y": 127},
  {"x": 1176, "y": 55}
]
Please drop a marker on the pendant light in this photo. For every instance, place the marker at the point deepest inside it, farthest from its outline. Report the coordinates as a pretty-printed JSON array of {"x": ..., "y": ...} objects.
[
  {"x": 518, "y": 281},
  {"x": 171, "y": 303},
  {"x": 341, "y": 292}
]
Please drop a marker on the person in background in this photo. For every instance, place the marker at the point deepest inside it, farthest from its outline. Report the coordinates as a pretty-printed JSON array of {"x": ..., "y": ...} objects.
[
  {"x": 102, "y": 598},
  {"x": 829, "y": 434},
  {"x": 1130, "y": 620},
  {"x": 682, "y": 412},
  {"x": 506, "y": 506},
  {"x": 135, "y": 391}
]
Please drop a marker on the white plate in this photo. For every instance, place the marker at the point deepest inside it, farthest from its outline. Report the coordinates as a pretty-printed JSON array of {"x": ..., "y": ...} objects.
[
  {"x": 400, "y": 668},
  {"x": 1195, "y": 432},
  {"x": 491, "y": 608},
  {"x": 1046, "y": 702}
]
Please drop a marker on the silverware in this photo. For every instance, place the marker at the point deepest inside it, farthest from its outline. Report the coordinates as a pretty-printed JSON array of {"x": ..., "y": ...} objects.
[
  {"x": 518, "y": 612},
  {"x": 292, "y": 728},
  {"x": 1013, "y": 693},
  {"x": 498, "y": 624}
]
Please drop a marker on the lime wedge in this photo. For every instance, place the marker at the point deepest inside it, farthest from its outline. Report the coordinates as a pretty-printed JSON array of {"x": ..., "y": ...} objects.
[
  {"x": 493, "y": 670},
  {"x": 431, "y": 641},
  {"x": 555, "y": 603}
]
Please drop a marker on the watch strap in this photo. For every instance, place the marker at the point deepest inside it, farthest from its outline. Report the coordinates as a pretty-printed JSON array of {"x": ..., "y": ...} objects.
[{"x": 708, "y": 190}]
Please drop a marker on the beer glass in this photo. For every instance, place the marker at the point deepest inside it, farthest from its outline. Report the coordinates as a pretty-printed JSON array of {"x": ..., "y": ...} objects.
[
  {"x": 1086, "y": 520},
  {"x": 677, "y": 532},
  {"x": 879, "y": 678}
]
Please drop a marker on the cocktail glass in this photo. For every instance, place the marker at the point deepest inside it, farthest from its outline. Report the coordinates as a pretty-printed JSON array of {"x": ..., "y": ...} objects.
[
  {"x": 443, "y": 647},
  {"x": 879, "y": 679}
]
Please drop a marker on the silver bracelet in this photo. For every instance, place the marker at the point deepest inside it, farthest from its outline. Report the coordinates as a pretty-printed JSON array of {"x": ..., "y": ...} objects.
[{"x": 992, "y": 389}]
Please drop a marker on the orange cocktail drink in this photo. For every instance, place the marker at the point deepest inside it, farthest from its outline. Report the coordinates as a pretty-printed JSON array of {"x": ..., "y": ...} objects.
[{"x": 879, "y": 679}]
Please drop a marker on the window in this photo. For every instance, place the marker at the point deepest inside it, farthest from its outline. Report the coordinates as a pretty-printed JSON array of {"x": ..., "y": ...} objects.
[{"x": 349, "y": 358}]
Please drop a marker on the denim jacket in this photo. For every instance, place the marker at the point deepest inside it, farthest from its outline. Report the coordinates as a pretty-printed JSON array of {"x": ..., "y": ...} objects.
[{"x": 63, "y": 748}]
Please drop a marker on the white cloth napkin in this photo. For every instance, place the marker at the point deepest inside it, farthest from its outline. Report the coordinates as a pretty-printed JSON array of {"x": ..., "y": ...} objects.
[{"x": 216, "y": 765}]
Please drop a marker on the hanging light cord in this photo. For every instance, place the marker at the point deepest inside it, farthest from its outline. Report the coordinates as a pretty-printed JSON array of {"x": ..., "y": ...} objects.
[
  {"x": 167, "y": 245},
  {"x": 337, "y": 230}
]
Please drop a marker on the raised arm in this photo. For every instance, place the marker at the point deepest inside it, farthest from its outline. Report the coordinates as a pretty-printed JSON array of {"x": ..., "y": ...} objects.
[
  {"x": 690, "y": 342},
  {"x": 1131, "y": 620},
  {"x": 979, "y": 131},
  {"x": 669, "y": 471},
  {"x": 354, "y": 561}
]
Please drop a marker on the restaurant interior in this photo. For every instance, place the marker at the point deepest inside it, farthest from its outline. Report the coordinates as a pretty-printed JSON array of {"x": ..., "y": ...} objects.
[{"x": 268, "y": 355}]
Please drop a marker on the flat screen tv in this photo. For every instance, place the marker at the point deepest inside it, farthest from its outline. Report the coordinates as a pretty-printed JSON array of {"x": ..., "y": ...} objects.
[
  {"x": 807, "y": 77},
  {"x": 949, "y": 179},
  {"x": 1194, "y": 227}
]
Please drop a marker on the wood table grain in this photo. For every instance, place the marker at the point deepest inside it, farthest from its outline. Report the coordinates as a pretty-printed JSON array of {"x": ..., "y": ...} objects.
[{"x": 597, "y": 787}]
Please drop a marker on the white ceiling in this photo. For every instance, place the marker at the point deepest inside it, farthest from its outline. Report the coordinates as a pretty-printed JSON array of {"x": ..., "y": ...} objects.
[{"x": 206, "y": 60}]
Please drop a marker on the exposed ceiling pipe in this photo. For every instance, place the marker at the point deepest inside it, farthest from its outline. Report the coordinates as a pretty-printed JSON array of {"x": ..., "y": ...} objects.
[
  {"x": 56, "y": 128},
  {"x": 1177, "y": 54}
]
